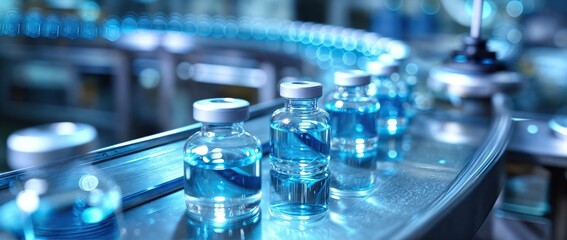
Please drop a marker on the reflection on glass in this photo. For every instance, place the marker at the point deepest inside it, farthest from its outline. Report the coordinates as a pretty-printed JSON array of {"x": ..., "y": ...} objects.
[
  {"x": 248, "y": 228},
  {"x": 353, "y": 173},
  {"x": 64, "y": 201},
  {"x": 391, "y": 150}
]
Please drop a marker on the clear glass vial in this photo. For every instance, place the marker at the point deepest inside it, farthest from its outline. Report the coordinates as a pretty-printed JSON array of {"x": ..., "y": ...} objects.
[
  {"x": 354, "y": 136},
  {"x": 222, "y": 168},
  {"x": 64, "y": 200},
  {"x": 299, "y": 153},
  {"x": 392, "y": 94},
  {"x": 352, "y": 112}
]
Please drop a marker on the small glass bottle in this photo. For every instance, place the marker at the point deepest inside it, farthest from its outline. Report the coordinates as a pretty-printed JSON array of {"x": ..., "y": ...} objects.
[
  {"x": 392, "y": 95},
  {"x": 221, "y": 161},
  {"x": 352, "y": 112},
  {"x": 354, "y": 136},
  {"x": 299, "y": 153}
]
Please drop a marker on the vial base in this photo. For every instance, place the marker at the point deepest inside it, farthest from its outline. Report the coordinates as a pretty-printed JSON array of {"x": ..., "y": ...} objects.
[
  {"x": 222, "y": 195},
  {"x": 220, "y": 213},
  {"x": 299, "y": 197},
  {"x": 354, "y": 174}
]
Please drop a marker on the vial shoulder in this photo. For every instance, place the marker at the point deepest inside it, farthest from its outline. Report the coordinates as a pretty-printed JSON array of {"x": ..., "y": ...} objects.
[{"x": 241, "y": 140}]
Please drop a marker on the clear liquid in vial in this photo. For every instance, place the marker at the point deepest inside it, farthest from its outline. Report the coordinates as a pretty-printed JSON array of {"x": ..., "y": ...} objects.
[
  {"x": 299, "y": 176},
  {"x": 354, "y": 130},
  {"x": 220, "y": 192}
]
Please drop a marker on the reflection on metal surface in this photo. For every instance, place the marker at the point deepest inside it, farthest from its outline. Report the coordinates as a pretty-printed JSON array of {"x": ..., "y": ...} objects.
[
  {"x": 249, "y": 228},
  {"x": 285, "y": 230}
]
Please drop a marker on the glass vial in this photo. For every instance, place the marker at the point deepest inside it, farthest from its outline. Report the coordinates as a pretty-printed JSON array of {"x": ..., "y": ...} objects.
[
  {"x": 221, "y": 161},
  {"x": 392, "y": 94},
  {"x": 354, "y": 135},
  {"x": 299, "y": 154}
]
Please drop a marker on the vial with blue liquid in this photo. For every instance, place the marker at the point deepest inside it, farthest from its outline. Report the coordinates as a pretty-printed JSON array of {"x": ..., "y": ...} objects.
[
  {"x": 354, "y": 134},
  {"x": 221, "y": 162},
  {"x": 352, "y": 112},
  {"x": 299, "y": 154},
  {"x": 392, "y": 94}
]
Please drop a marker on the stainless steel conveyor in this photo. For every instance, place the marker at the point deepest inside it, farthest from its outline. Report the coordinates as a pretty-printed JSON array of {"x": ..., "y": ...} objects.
[{"x": 444, "y": 185}]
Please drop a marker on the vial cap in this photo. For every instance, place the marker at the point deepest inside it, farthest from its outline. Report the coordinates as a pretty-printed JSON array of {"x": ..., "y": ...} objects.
[
  {"x": 301, "y": 89},
  {"x": 351, "y": 78},
  {"x": 382, "y": 68},
  {"x": 221, "y": 110}
]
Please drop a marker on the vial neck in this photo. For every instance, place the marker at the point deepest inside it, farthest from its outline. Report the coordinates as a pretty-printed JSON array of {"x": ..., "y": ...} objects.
[
  {"x": 352, "y": 91},
  {"x": 220, "y": 129},
  {"x": 303, "y": 104}
]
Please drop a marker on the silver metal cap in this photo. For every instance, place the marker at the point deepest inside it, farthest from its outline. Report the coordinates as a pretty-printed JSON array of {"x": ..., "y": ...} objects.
[
  {"x": 378, "y": 68},
  {"x": 301, "y": 89},
  {"x": 221, "y": 110},
  {"x": 49, "y": 142},
  {"x": 351, "y": 78}
]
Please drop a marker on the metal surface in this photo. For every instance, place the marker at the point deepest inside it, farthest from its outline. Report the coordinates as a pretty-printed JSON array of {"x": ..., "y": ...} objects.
[
  {"x": 538, "y": 139},
  {"x": 452, "y": 82},
  {"x": 413, "y": 197},
  {"x": 535, "y": 142}
]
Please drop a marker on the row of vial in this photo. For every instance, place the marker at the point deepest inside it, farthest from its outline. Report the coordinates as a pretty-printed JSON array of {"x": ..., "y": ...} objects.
[{"x": 222, "y": 167}]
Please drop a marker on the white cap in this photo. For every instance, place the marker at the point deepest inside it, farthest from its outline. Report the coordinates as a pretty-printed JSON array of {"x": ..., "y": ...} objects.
[
  {"x": 301, "y": 89},
  {"x": 221, "y": 110},
  {"x": 382, "y": 68},
  {"x": 352, "y": 78},
  {"x": 49, "y": 142}
]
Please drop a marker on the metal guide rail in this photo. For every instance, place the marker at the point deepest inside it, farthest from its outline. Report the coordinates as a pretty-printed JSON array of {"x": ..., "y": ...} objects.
[{"x": 443, "y": 181}]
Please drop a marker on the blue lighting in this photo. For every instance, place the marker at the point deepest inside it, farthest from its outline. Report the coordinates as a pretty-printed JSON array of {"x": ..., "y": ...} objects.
[
  {"x": 11, "y": 26},
  {"x": 144, "y": 22},
  {"x": 218, "y": 29},
  {"x": 259, "y": 31},
  {"x": 111, "y": 29},
  {"x": 89, "y": 30},
  {"x": 174, "y": 24},
  {"x": 349, "y": 58},
  {"x": 32, "y": 24},
  {"x": 231, "y": 29},
  {"x": 51, "y": 27},
  {"x": 129, "y": 24},
  {"x": 190, "y": 27},
  {"x": 159, "y": 23},
  {"x": 204, "y": 28},
  {"x": 245, "y": 29},
  {"x": 71, "y": 27}
]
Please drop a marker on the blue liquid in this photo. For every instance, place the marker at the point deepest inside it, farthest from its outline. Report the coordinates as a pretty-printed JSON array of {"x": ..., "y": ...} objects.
[
  {"x": 352, "y": 129},
  {"x": 66, "y": 215},
  {"x": 300, "y": 151},
  {"x": 354, "y": 174},
  {"x": 299, "y": 176},
  {"x": 392, "y": 119},
  {"x": 58, "y": 226},
  {"x": 219, "y": 191}
]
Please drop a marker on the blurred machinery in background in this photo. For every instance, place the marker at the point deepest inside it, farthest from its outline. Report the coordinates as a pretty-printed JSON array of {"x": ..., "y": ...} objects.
[{"x": 133, "y": 68}]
